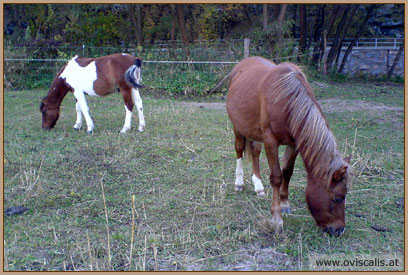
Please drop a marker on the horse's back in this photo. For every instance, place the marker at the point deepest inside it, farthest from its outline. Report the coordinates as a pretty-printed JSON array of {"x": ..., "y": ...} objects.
[
  {"x": 110, "y": 71},
  {"x": 251, "y": 104}
]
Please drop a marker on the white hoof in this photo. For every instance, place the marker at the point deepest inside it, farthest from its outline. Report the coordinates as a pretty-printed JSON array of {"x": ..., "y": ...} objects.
[
  {"x": 124, "y": 130},
  {"x": 261, "y": 193},
  {"x": 141, "y": 128},
  {"x": 239, "y": 188}
]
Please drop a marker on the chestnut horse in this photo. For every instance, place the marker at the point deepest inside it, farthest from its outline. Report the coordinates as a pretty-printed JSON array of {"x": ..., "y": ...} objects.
[
  {"x": 275, "y": 105},
  {"x": 95, "y": 77}
]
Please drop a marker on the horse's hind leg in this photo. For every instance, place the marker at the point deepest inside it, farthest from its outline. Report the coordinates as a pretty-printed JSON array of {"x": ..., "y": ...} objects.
[
  {"x": 287, "y": 171},
  {"x": 127, "y": 98},
  {"x": 239, "y": 172},
  {"x": 139, "y": 106},
  {"x": 256, "y": 149},
  {"x": 78, "y": 122}
]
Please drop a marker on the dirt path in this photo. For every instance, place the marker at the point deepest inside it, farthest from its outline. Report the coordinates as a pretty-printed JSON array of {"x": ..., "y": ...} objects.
[{"x": 331, "y": 105}]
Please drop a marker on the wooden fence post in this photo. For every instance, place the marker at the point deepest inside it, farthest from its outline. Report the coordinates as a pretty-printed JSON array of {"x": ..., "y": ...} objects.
[{"x": 246, "y": 47}]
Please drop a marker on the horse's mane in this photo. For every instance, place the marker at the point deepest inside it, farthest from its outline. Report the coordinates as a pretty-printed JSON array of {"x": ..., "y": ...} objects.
[{"x": 314, "y": 139}]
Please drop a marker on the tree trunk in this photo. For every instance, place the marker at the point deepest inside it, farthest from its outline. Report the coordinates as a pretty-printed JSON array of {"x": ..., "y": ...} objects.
[
  {"x": 173, "y": 26},
  {"x": 280, "y": 18},
  {"x": 133, "y": 18},
  {"x": 247, "y": 13},
  {"x": 360, "y": 31},
  {"x": 324, "y": 53},
  {"x": 336, "y": 40},
  {"x": 313, "y": 28},
  {"x": 139, "y": 21},
  {"x": 394, "y": 64},
  {"x": 294, "y": 18},
  {"x": 318, "y": 34},
  {"x": 182, "y": 25},
  {"x": 265, "y": 16},
  {"x": 345, "y": 29},
  {"x": 336, "y": 10},
  {"x": 333, "y": 16},
  {"x": 302, "y": 28}
]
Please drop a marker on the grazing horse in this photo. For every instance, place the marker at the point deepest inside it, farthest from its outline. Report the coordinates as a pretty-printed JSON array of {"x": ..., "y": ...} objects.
[
  {"x": 275, "y": 105},
  {"x": 95, "y": 77}
]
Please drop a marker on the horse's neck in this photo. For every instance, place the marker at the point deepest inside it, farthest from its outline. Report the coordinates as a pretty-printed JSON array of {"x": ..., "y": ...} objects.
[
  {"x": 323, "y": 165},
  {"x": 57, "y": 92},
  {"x": 319, "y": 151}
]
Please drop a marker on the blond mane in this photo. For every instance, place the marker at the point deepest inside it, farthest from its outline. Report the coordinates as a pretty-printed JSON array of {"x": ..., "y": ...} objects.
[{"x": 314, "y": 139}]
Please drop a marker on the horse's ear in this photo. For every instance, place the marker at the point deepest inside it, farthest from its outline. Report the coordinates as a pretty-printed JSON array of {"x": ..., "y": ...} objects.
[
  {"x": 339, "y": 174},
  {"x": 347, "y": 159}
]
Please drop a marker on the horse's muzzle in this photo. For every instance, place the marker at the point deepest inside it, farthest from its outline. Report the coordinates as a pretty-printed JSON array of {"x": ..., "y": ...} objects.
[{"x": 334, "y": 232}]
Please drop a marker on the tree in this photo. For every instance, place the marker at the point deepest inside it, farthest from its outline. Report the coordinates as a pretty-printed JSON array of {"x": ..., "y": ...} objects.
[
  {"x": 302, "y": 28},
  {"x": 135, "y": 14},
  {"x": 265, "y": 16},
  {"x": 280, "y": 31},
  {"x": 182, "y": 25},
  {"x": 173, "y": 25},
  {"x": 370, "y": 10},
  {"x": 341, "y": 31},
  {"x": 394, "y": 64},
  {"x": 318, "y": 32},
  {"x": 346, "y": 28}
]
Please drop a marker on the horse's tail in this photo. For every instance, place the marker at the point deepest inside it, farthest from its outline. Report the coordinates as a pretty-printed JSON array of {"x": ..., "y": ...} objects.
[
  {"x": 247, "y": 150},
  {"x": 133, "y": 74}
]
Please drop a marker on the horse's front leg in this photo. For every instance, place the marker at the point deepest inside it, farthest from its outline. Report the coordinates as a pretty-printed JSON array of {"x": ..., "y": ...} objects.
[
  {"x": 287, "y": 171},
  {"x": 271, "y": 148},
  {"x": 80, "y": 96},
  {"x": 78, "y": 122},
  {"x": 139, "y": 106}
]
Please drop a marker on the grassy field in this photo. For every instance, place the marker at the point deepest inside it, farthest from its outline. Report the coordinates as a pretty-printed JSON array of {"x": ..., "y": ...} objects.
[{"x": 180, "y": 171}]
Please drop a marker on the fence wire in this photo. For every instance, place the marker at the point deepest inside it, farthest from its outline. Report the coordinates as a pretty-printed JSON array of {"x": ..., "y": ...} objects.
[{"x": 168, "y": 68}]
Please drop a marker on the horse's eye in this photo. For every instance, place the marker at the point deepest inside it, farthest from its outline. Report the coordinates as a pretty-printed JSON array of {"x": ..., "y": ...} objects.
[{"x": 338, "y": 199}]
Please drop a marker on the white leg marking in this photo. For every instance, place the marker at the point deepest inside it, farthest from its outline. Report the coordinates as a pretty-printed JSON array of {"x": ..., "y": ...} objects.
[
  {"x": 239, "y": 176},
  {"x": 259, "y": 189},
  {"x": 128, "y": 121},
  {"x": 78, "y": 122},
  {"x": 139, "y": 106},
  {"x": 80, "y": 96}
]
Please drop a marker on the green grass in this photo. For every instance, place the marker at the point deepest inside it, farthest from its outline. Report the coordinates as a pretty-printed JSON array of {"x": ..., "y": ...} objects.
[{"x": 181, "y": 172}]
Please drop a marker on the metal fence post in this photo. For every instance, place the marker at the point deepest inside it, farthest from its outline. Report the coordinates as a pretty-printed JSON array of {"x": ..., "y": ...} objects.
[{"x": 246, "y": 47}]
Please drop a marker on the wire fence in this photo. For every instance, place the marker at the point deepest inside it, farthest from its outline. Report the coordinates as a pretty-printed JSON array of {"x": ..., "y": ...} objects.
[
  {"x": 166, "y": 68},
  {"x": 166, "y": 64}
]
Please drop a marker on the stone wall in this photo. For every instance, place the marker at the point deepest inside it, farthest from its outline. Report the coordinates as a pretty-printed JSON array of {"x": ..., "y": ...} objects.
[{"x": 375, "y": 61}]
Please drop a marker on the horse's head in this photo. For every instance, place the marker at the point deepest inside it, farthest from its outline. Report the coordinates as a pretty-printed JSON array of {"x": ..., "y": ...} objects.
[
  {"x": 327, "y": 201},
  {"x": 50, "y": 115}
]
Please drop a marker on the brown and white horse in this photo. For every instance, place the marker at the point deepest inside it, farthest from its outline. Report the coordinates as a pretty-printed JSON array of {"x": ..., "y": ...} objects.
[
  {"x": 95, "y": 77},
  {"x": 275, "y": 105}
]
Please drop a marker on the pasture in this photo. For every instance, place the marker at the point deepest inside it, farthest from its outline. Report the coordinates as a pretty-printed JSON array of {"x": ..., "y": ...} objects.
[{"x": 185, "y": 214}]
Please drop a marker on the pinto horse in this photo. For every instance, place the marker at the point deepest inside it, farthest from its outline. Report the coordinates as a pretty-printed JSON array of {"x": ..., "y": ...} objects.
[
  {"x": 95, "y": 77},
  {"x": 275, "y": 105}
]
